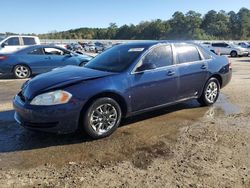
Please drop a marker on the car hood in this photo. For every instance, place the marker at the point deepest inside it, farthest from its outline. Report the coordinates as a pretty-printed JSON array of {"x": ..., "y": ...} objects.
[{"x": 59, "y": 78}]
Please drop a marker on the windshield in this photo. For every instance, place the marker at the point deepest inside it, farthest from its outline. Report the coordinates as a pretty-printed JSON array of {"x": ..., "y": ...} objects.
[
  {"x": 116, "y": 59},
  {"x": 2, "y": 37}
]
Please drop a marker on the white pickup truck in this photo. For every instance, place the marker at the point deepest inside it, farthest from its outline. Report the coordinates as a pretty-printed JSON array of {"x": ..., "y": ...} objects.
[{"x": 13, "y": 43}]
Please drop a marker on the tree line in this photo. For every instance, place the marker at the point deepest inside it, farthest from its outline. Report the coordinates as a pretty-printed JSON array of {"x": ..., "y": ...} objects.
[{"x": 190, "y": 26}]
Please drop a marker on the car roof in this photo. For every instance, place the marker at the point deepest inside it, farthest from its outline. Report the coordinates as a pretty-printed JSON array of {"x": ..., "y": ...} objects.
[
  {"x": 30, "y": 36},
  {"x": 37, "y": 46},
  {"x": 152, "y": 43}
]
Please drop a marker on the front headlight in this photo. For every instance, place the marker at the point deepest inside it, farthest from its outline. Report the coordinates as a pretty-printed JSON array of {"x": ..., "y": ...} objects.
[{"x": 52, "y": 98}]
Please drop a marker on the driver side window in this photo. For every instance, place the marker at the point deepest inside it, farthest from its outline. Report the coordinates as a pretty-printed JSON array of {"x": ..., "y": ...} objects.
[
  {"x": 53, "y": 51},
  {"x": 160, "y": 57},
  {"x": 13, "y": 41}
]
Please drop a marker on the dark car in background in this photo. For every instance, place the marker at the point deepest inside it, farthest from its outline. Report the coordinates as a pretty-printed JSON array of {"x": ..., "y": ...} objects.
[
  {"x": 123, "y": 81},
  {"x": 38, "y": 59}
]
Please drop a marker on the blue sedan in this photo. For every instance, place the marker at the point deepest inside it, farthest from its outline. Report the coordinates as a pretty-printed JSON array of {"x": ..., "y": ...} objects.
[
  {"x": 123, "y": 81},
  {"x": 38, "y": 59}
]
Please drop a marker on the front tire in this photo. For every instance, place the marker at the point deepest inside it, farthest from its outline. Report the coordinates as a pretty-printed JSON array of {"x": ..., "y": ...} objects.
[
  {"x": 22, "y": 71},
  {"x": 102, "y": 118},
  {"x": 210, "y": 93}
]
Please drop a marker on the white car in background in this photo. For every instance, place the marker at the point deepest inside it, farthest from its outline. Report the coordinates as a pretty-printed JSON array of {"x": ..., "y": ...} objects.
[
  {"x": 13, "y": 43},
  {"x": 245, "y": 45},
  {"x": 223, "y": 48},
  {"x": 89, "y": 48}
]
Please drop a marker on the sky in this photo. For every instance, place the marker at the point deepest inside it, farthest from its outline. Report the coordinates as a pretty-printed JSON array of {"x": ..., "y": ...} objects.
[{"x": 42, "y": 16}]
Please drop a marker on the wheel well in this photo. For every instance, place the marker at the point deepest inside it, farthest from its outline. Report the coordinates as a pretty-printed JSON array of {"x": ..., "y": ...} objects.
[
  {"x": 119, "y": 99},
  {"x": 218, "y": 77},
  {"x": 233, "y": 51}
]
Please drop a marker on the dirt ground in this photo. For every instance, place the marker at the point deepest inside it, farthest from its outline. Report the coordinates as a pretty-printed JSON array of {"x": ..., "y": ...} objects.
[{"x": 180, "y": 146}]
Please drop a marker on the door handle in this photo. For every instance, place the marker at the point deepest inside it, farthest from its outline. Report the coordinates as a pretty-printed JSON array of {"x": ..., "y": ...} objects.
[
  {"x": 170, "y": 73},
  {"x": 47, "y": 57},
  {"x": 203, "y": 66}
]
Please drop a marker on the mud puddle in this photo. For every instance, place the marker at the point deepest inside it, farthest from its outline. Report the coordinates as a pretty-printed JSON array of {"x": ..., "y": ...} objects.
[
  {"x": 223, "y": 107},
  {"x": 137, "y": 140}
]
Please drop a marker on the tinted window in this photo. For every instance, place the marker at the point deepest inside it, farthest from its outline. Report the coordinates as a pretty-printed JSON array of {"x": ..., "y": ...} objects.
[
  {"x": 205, "y": 53},
  {"x": 13, "y": 41},
  {"x": 37, "y": 51},
  {"x": 29, "y": 41},
  {"x": 219, "y": 44},
  {"x": 159, "y": 56},
  {"x": 187, "y": 53},
  {"x": 116, "y": 59}
]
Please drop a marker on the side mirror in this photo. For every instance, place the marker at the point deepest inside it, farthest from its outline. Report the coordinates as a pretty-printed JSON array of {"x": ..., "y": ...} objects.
[
  {"x": 146, "y": 66},
  {"x": 3, "y": 45}
]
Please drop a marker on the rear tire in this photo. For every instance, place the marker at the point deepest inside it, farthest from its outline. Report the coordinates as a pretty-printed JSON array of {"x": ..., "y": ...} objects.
[
  {"x": 233, "y": 54},
  {"x": 21, "y": 71},
  {"x": 210, "y": 93},
  {"x": 102, "y": 118}
]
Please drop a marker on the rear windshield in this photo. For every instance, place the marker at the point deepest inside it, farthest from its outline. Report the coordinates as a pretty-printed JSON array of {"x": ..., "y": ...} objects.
[{"x": 116, "y": 59}]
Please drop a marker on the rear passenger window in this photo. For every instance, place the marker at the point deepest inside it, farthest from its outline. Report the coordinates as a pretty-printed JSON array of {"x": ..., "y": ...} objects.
[
  {"x": 29, "y": 41},
  {"x": 187, "y": 53},
  {"x": 13, "y": 41},
  {"x": 205, "y": 54},
  {"x": 37, "y": 51},
  {"x": 160, "y": 56}
]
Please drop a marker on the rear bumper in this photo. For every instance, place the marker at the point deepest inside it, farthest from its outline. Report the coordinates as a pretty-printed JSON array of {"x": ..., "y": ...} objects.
[
  {"x": 5, "y": 70},
  {"x": 226, "y": 78},
  {"x": 59, "y": 119}
]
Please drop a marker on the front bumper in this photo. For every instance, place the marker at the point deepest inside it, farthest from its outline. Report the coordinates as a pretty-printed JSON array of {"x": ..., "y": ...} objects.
[
  {"x": 59, "y": 119},
  {"x": 243, "y": 53}
]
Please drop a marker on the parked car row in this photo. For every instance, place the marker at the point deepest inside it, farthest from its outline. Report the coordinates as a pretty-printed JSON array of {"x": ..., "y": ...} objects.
[
  {"x": 96, "y": 47},
  {"x": 223, "y": 48}
]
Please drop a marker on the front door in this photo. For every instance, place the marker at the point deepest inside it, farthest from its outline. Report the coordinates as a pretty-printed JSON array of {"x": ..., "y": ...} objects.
[
  {"x": 156, "y": 85},
  {"x": 11, "y": 44}
]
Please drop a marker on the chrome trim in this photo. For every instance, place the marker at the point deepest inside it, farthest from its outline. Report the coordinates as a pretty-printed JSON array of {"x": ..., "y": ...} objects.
[{"x": 163, "y": 105}]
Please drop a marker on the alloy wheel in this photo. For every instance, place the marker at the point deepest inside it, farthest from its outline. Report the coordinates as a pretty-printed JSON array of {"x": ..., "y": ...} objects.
[
  {"x": 103, "y": 118},
  {"x": 22, "y": 71},
  {"x": 211, "y": 92}
]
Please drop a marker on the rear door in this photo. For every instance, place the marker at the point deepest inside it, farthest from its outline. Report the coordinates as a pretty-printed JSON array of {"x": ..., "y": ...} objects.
[
  {"x": 154, "y": 87},
  {"x": 193, "y": 72}
]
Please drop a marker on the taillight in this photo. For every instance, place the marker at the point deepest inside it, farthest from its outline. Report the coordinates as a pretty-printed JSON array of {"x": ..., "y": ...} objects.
[{"x": 3, "y": 57}]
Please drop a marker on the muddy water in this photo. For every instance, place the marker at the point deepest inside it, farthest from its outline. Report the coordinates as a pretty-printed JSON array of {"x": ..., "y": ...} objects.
[{"x": 136, "y": 140}]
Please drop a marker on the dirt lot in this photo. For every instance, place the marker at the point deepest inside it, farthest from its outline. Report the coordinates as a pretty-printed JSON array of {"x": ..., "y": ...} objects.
[{"x": 182, "y": 146}]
